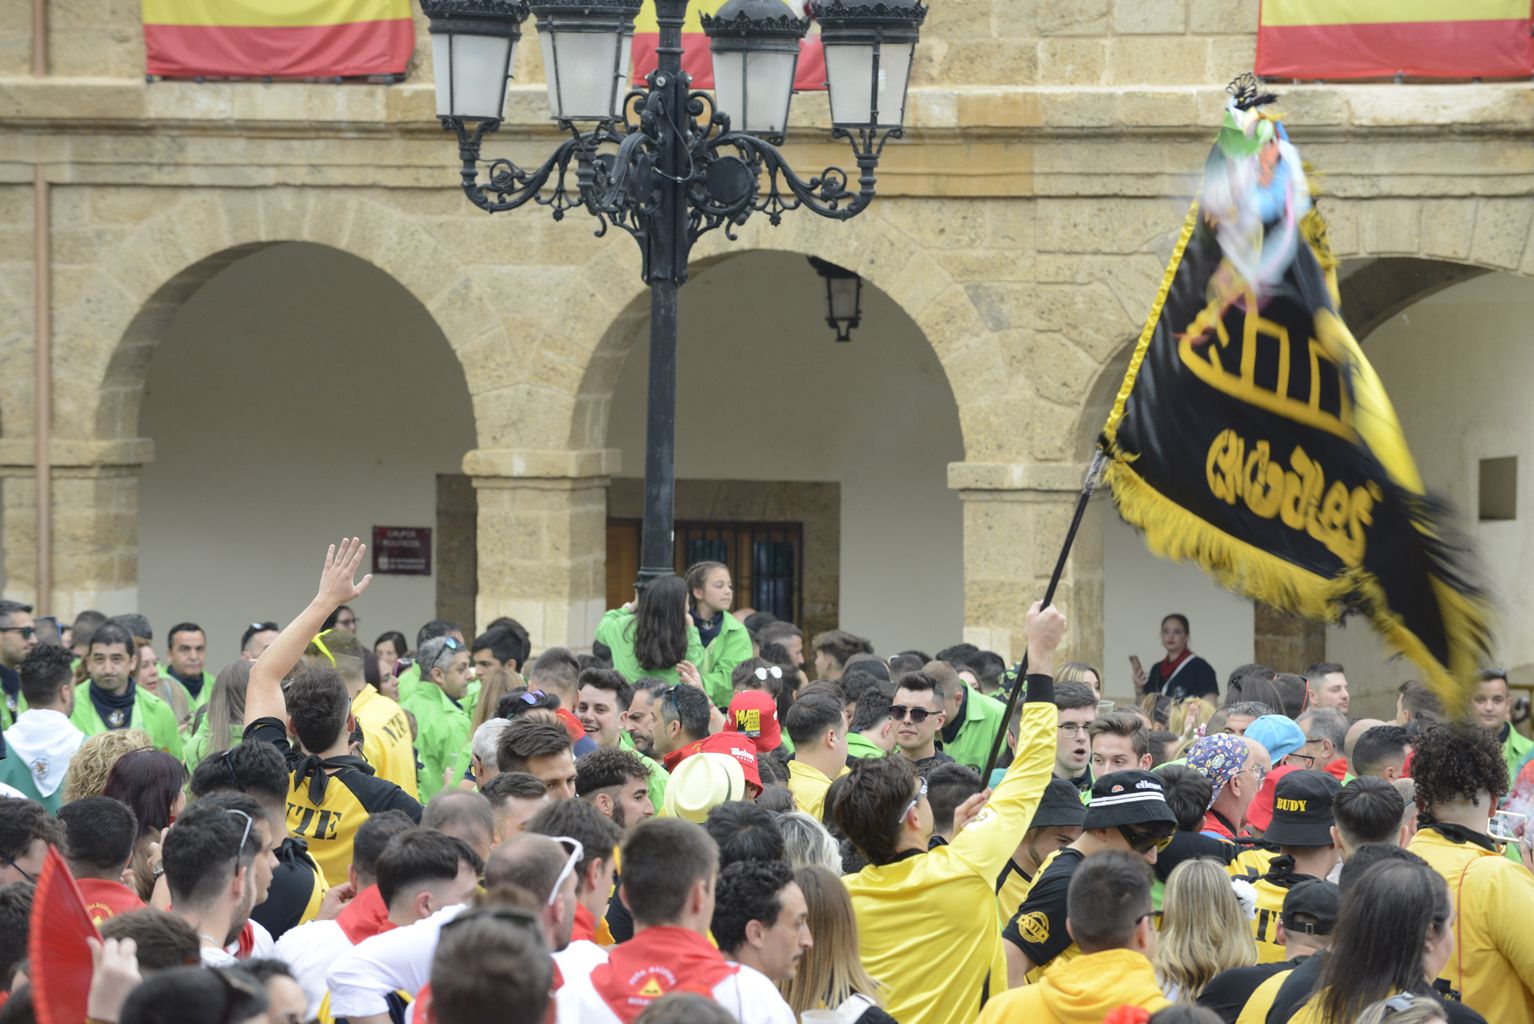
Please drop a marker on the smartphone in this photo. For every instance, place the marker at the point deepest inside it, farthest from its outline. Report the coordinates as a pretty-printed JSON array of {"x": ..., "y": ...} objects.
[
  {"x": 1505, "y": 826},
  {"x": 47, "y": 629},
  {"x": 1134, "y": 663}
]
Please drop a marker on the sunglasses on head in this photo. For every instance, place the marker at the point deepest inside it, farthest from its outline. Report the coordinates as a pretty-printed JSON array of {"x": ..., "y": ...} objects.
[
  {"x": 918, "y": 715},
  {"x": 762, "y": 673}
]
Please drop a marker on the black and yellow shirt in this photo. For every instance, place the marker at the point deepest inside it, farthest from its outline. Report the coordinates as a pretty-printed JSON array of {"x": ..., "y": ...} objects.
[
  {"x": 1038, "y": 927},
  {"x": 328, "y": 800},
  {"x": 298, "y": 888},
  {"x": 1012, "y": 887}
]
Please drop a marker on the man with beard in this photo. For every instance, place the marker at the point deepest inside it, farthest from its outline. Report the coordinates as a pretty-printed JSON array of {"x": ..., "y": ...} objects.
[
  {"x": 214, "y": 860},
  {"x": 615, "y": 782},
  {"x": 638, "y": 731},
  {"x": 761, "y": 921}
]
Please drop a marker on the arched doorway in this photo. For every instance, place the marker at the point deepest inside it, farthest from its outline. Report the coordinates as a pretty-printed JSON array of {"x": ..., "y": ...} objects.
[
  {"x": 1455, "y": 364},
  {"x": 779, "y": 425},
  {"x": 299, "y": 394}
]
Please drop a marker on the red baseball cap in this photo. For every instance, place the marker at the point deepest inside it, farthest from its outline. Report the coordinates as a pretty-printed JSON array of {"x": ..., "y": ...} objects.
[
  {"x": 737, "y": 746},
  {"x": 1260, "y": 814},
  {"x": 754, "y": 713}
]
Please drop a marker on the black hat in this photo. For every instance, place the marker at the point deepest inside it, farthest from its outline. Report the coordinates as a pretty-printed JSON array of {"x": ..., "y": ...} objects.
[
  {"x": 1061, "y": 805},
  {"x": 1302, "y": 809},
  {"x": 1128, "y": 798},
  {"x": 1314, "y": 899}
]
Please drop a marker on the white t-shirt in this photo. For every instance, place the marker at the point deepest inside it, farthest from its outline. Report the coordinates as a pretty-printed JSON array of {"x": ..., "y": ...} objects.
[
  {"x": 747, "y": 995},
  {"x": 361, "y": 980},
  {"x": 309, "y": 950}
]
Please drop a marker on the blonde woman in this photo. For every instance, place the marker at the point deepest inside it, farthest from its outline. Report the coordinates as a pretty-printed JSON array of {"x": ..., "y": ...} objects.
[
  {"x": 1203, "y": 930},
  {"x": 92, "y": 763},
  {"x": 831, "y": 976},
  {"x": 493, "y": 685}
]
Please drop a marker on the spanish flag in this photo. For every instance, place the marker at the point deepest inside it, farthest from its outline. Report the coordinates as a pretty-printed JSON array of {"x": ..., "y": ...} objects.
[
  {"x": 1384, "y": 38},
  {"x": 277, "y": 38},
  {"x": 1252, "y": 437},
  {"x": 809, "y": 75}
]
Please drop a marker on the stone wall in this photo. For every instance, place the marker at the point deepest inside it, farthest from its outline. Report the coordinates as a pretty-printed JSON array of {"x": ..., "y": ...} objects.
[{"x": 1023, "y": 225}]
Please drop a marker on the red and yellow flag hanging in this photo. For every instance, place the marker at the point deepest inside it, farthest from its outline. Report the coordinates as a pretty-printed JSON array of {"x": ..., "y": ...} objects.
[
  {"x": 1384, "y": 38},
  {"x": 809, "y": 75},
  {"x": 277, "y": 38}
]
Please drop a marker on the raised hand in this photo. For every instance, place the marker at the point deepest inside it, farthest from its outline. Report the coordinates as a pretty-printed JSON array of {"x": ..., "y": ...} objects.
[
  {"x": 337, "y": 586},
  {"x": 114, "y": 975}
]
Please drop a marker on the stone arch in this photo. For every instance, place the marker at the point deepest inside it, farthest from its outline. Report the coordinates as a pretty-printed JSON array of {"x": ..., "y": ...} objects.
[
  {"x": 137, "y": 285},
  {"x": 887, "y": 258}
]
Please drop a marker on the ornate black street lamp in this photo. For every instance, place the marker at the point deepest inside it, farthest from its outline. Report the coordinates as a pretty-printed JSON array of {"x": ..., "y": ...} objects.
[{"x": 664, "y": 163}]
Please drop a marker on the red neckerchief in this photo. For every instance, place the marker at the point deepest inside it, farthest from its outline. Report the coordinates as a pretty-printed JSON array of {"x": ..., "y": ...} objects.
[
  {"x": 1217, "y": 825},
  {"x": 680, "y": 754},
  {"x": 1337, "y": 768},
  {"x": 246, "y": 942},
  {"x": 585, "y": 925},
  {"x": 423, "y": 1009},
  {"x": 104, "y": 898},
  {"x": 572, "y": 724},
  {"x": 365, "y": 916},
  {"x": 1166, "y": 666},
  {"x": 654, "y": 963}
]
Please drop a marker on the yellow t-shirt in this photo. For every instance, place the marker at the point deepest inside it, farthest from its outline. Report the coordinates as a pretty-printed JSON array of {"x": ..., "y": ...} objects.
[
  {"x": 1270, "y": 902},
  {"x": 386, "y": 739},
  {"x": 808, "y": 784}
]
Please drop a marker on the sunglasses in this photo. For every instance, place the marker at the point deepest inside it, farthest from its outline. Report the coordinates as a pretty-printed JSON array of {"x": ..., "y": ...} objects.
[
  {"x": 1144, "y": 842},
  {"x": 762, "y": 673},
  {"x": 918, "y": 715},
  {"x": 577, "y": 851},
  {"x": 225, "y": 759},
  {"x": 18, "y": 868},
  {"x": 1154, "y": 915},
  {"x": 27, "y": 632},
  {"x": 921, "y": 791},
  {"x": 319, "y": 641},
  {"x": 244, "y": 838},
  {"x": 531, "y": 697}
]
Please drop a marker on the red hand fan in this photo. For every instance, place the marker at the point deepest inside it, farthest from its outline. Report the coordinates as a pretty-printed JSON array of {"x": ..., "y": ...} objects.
[{"x": 58, "y": 957}]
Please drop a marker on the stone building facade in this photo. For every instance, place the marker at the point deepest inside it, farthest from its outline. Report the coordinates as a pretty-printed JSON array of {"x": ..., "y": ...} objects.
[{"x": 1022, "y": 226}]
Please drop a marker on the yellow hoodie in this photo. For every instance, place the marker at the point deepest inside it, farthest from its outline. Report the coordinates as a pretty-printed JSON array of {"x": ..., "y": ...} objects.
[
  {"x": 1492, "y": 965},
  {"x": 1082, "y": 991},
  {"x": 929, "y": 926}
]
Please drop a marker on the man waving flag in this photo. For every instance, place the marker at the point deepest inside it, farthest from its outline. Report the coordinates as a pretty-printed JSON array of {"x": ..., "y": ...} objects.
[{"x": 1251, "y": 435}]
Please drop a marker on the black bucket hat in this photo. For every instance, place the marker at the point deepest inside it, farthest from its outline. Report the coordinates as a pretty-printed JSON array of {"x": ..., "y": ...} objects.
[{"x": 1128, "y": 798}]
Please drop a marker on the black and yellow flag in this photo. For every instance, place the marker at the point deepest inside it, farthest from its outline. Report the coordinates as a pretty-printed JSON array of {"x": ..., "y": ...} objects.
[{"x": 1251, "y": 436}]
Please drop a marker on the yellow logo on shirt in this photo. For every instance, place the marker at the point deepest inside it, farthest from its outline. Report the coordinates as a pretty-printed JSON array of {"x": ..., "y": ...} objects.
[
  {"x": 1034, "y": 927},
  {"x": 652, "y": 990}
]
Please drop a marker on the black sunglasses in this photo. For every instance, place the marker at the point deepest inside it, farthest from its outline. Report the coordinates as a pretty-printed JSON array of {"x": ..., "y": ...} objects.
[
  {"x": 918, "y": 715},
  {"x": 27, "y": 632},
  {"x": 1144, "y": 842}
]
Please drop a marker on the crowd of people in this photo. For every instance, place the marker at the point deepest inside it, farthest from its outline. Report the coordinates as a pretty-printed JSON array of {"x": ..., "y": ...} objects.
[{"x": 712, "y": 817}]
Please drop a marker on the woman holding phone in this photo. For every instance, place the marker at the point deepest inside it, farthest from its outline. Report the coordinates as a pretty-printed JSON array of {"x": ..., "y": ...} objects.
[{"x": 1181, "y": 673}]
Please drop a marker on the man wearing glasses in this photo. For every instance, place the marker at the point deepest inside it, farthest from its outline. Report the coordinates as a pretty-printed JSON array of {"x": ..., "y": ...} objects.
[
  {"x": 210, "y": 860},
  {"x": 17, "y": 638},
  {"x": 1128, "y": 813},
  {"x": 912, "y": 902},
  {"x": 918, "y": 714},
  {"x": 442, "y": 723}
]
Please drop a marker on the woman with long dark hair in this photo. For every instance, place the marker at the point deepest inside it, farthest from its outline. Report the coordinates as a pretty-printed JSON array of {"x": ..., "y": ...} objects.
[
  {"x": 1395, "y": 933},
  {"x": 726, "y": 641},
  {"x": 1181, "y": 673},
  {"x": 150, "y": 782},
  {"x": 653, "y": 636}
]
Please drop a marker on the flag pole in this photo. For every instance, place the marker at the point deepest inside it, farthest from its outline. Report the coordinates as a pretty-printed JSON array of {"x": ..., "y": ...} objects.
[{"x": 1088, "y": 485}]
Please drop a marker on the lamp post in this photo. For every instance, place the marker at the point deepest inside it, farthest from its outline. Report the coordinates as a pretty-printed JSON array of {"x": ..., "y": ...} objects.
[{"x": 663, "y": 163}]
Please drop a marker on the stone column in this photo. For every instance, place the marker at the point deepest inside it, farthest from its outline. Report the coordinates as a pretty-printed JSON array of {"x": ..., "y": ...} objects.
[
  {"x": 1285, "y": 641},
  {"x": 95, "y": 524},
  {"x": 1015, "y": 518},
  {"x": 543, "y": 540}
]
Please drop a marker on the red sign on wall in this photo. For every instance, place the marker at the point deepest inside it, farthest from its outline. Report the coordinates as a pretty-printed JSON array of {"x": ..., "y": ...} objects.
[{"x": 402, "y": 550}]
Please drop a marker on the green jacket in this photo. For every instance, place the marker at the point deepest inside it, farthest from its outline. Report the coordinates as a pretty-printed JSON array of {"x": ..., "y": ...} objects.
[
  {"x": 150, "y": 713},
  {"x": 195, "y": 747},
  {"x": 731, "y": 647},
  {"x": 859, "y": 745},
  {"x": 983, "y": 717},
  {"x": 442, "y": 736},
  {"x": 616, "y": 630},
  {"x": 202, "y": 696},
  {"x": 409, "y": 683},
  {"x": 658, "y": 774},
  {"x": 15, "y": 773},
  {"x": 1515, "y": 750}
]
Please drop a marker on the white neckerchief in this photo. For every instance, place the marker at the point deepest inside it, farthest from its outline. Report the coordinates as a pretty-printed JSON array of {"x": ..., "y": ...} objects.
[{"x": 44, "y": 740}]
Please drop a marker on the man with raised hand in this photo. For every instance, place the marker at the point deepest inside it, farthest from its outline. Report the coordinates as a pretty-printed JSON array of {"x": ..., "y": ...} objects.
[
  {"x": 915, "y": 906},
  {"x": 333, "y": 791}
]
